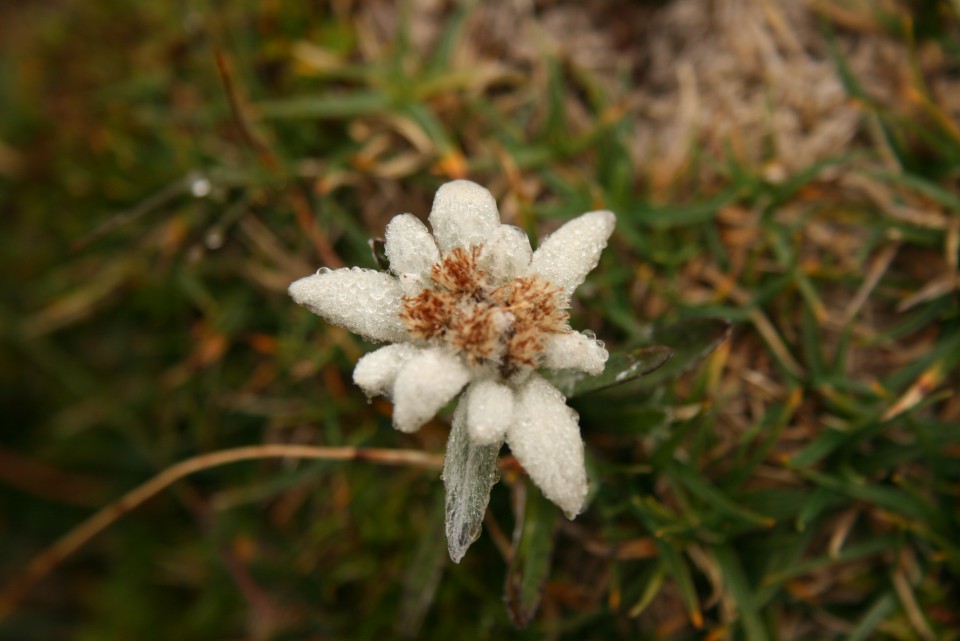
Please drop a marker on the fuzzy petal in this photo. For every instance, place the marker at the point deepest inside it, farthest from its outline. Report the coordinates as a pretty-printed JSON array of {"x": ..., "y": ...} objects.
[
  {"x": 377, "y": 371},
  {"x": 413, "y": 284},
  {"x": 464, "y": 214},
  {"x": 574, "y": 350},
  {"x": 409, "y": 246},
  {"x": 424, "y": 384},
  {"x": 506, "y": 253},
  {"x": 489, "y": 411},
  {"x": 545, "y": 438},
  {"x": 569, "y": 254},
  {"x": 364, "y": 301}
]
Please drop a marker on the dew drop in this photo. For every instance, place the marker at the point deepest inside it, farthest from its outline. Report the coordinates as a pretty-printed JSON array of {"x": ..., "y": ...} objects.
[
  {"x": 200, "y": 187},
  {"x": 214, "y": 238},
  {"x": 323, "y": 270}
]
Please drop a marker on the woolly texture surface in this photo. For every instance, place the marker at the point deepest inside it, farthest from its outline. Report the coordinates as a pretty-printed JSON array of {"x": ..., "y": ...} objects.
[{"x": 471, "y": 306}]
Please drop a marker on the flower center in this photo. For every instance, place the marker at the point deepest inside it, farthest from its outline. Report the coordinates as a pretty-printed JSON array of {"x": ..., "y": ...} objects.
[{"x": 503, "y": 324}]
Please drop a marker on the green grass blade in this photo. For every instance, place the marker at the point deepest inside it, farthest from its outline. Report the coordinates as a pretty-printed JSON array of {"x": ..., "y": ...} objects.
[
  {"x": 532, "y": 549},
  {"x": 740, "y": 590}
]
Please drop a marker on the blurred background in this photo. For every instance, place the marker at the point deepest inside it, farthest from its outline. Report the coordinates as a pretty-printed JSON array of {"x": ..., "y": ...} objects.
[{"x": 167, "y": 168}]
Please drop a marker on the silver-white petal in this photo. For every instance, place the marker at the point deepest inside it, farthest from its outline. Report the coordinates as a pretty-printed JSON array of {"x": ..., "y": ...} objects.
[
  {"x": 569, "y": 254},
  {"x": 364, "y": 301},
  {"x": 426, "y": 383},
  {"x": 413, "y": 284},
  {"x": 545, "y": 438},
  {"x": 490, "y": 407},
  {"x": 574, "y": 350},
  {"x": 506, "y": 254},
  {"x": 464, "y": 214},
  {"x": 409, "y": 246},
  {"x": 377, "y": 371}
]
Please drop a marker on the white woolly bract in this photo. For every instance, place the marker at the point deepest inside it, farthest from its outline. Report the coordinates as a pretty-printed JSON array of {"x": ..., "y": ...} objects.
[
  {"x": 506, "y": 254},
  {"x": 545, "y": 438},
  {"x": 574, "y": 350},
  {"x": 489, "y": 411},
  {"x": 424, "y": 384},
  {"x": 570, "y": 253},
  {"x": 365, "y": 301},
  {"x": 409, "y": 246},
  {"x": 464, "y": 214},
  {"x": 376, "y": 372}
]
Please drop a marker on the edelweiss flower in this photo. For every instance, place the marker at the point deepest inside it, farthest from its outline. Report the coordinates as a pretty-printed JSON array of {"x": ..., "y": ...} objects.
[{"x": 472, "y": 306}]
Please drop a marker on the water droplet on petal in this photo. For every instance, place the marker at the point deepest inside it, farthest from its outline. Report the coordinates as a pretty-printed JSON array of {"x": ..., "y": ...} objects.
[{"x": 323, "y": 270}]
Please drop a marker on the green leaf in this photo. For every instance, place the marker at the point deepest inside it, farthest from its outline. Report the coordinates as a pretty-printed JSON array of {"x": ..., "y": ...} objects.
[
  {"x": 326, "y": 106},
  {"x": 742, "y": 594},
  {"x": 532, "y": 548},
  {"x": 880, "y": 610},
  {"x": 674, "y": 349},
  {"x": 622, "y": 367},
  {"x": 691, "y": 341},
  {"x": 679, "y": 570},
  {"x": 469, "y": 473},
  {"x": 651, "y": 588},
  {"x": 714, "y": 497},
  {"x": 423, "y": 574},
  {"x": 683, "y": 215},
  {"x": 885, "y": 497},
  {"x": 929, "y": 189},
  {"x": 850, "y": 553},
  {"x": 819, "y": 501}
]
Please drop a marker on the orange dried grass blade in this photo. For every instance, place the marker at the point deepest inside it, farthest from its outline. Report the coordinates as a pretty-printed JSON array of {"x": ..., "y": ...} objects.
[
  {"x": 44, "y": 563},
  {"x": 925, "y": 383}
]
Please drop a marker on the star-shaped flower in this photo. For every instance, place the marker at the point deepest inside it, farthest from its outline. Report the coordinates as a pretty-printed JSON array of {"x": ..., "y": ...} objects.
[{"x": 472, "y": 308}]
